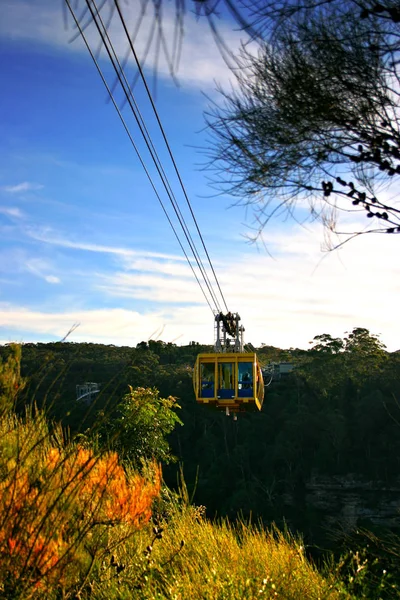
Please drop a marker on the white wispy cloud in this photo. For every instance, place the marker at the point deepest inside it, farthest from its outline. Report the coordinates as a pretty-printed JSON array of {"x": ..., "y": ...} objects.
[
  {"x": 52, "y": 279},
  {"x": 284, "y": 302},
  {"x": 25, "y": 186},
  {"x": 152, "y": 288},
  {"x": 200, "y": 63},
  {"x": 12, "y": 211},
  {"x": 299, "y": 295},
  {"x": 41, "y": 268},
  {"x": 173, "y": 267},
  {"x": 49, "y": 236},
  {"x": 103, "y": 326}
]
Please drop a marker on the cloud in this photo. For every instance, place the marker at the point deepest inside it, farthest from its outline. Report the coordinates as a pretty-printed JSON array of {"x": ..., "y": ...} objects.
[
  {"x": 284, "y": 301},
  {"x": 11, "y": 211},
  {"x": 299, "y": 295},
  {"x": 173, "y": 267},
  {"x": 15, "y": 263},
  {"x": 103, "y": 326},
  {"x": 40, "y": 268},
  {"x": 48, "y": 236},
  {"x": 25, "y": 186},
  {"x": 200, "y": 63},
  {"x": 163, "y": 290},
  {"x": 52, "y": 279}
]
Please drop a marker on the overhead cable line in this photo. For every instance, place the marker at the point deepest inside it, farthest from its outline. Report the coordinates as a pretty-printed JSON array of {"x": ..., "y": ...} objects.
[
  {"x": 164, "y": 180},
  {"x": 142, "y": 75},
  {"x": 96, "y": 17},
  {"x": 135, "y": 147},
  {"x": 147, "y": 138}
]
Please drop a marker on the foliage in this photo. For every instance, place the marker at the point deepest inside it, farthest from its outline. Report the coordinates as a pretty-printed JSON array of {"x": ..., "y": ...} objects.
[
  {"x": 335, "y": 417},
  {"x": 369, "y": 567},
  {"x": 327, "y": 344},
  {"x": 53, "y": 370},
  {"x": 143, "y": 420},
  {"x": 75, "y": 524},
  {"x": 11, "y": 382},
  {"x": 333, "y": 361},
  {"x": 360, "y": 578},
  {"x": 190, "y": 557},
  {"x": 361, "y": 340},
  {"x": 62, "y": 508},
  {"x": 316, "y": 113}
]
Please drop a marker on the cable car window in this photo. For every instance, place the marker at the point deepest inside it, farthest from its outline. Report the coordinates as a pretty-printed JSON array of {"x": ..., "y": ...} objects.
[
  {"x": 245, "y": 379},
  {"x": 226, "y": 386},
  {"x": 207, "y": 380}
]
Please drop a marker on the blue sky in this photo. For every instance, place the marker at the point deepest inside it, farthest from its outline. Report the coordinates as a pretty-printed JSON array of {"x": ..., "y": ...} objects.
[{"x": 83, "y": 238}]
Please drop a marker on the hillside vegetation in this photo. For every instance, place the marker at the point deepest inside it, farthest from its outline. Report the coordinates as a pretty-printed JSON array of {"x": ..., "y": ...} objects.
[
  {"x": 76, "y": 522},
  {"x": 335, "y": 416},
  {"x": 84, "y": 513}
]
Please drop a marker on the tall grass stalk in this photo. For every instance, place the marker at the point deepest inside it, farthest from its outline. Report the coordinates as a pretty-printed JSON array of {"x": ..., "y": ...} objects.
[{"x": 194, "y": 559}]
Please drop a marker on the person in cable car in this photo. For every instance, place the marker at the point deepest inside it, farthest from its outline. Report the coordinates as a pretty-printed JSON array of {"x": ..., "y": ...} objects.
[
  {"x": 246, "y": 381},
  {"x": 207, "y": 381}
]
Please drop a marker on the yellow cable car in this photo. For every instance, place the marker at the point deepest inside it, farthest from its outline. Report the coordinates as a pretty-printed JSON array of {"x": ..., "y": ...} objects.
[{"x": 229, "y": 378}]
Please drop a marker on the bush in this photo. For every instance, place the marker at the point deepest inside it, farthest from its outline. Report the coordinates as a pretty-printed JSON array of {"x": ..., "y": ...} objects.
[
  {"x": 62, "y": 508},
  {"x": 11, "y": 382},
  {"x": 139, "y": 430}
]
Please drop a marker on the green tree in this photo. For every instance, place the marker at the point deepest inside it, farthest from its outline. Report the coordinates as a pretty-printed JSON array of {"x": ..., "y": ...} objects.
[
  {"x": 362, "y": 341},
  {"x": 142, "y": 423},
  {"x": 11, "y": 382},
  {"x": 332, "y": 362},
  {"x": 365, "y": 354},
  {"x": 327, "y": 344}
]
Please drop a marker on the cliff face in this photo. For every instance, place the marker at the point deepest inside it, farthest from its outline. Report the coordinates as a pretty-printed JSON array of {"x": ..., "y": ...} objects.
[{"x": 329, "y": 506}]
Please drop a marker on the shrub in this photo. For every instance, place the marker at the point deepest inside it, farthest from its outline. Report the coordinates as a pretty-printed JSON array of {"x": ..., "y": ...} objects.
[
  {"x": 58, "y": 503},
  {"x": 140, "y": 428}
]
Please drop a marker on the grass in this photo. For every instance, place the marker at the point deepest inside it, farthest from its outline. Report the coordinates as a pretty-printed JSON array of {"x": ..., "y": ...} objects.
[{"x": 193, "y": 558}]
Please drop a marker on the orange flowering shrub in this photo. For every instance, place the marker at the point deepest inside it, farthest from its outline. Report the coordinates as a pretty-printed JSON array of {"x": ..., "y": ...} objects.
[{"x": 57, "y": 505}]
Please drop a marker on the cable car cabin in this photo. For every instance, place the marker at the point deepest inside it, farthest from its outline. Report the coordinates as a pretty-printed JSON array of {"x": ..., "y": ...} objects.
[{"x": 229, "y": 380}]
